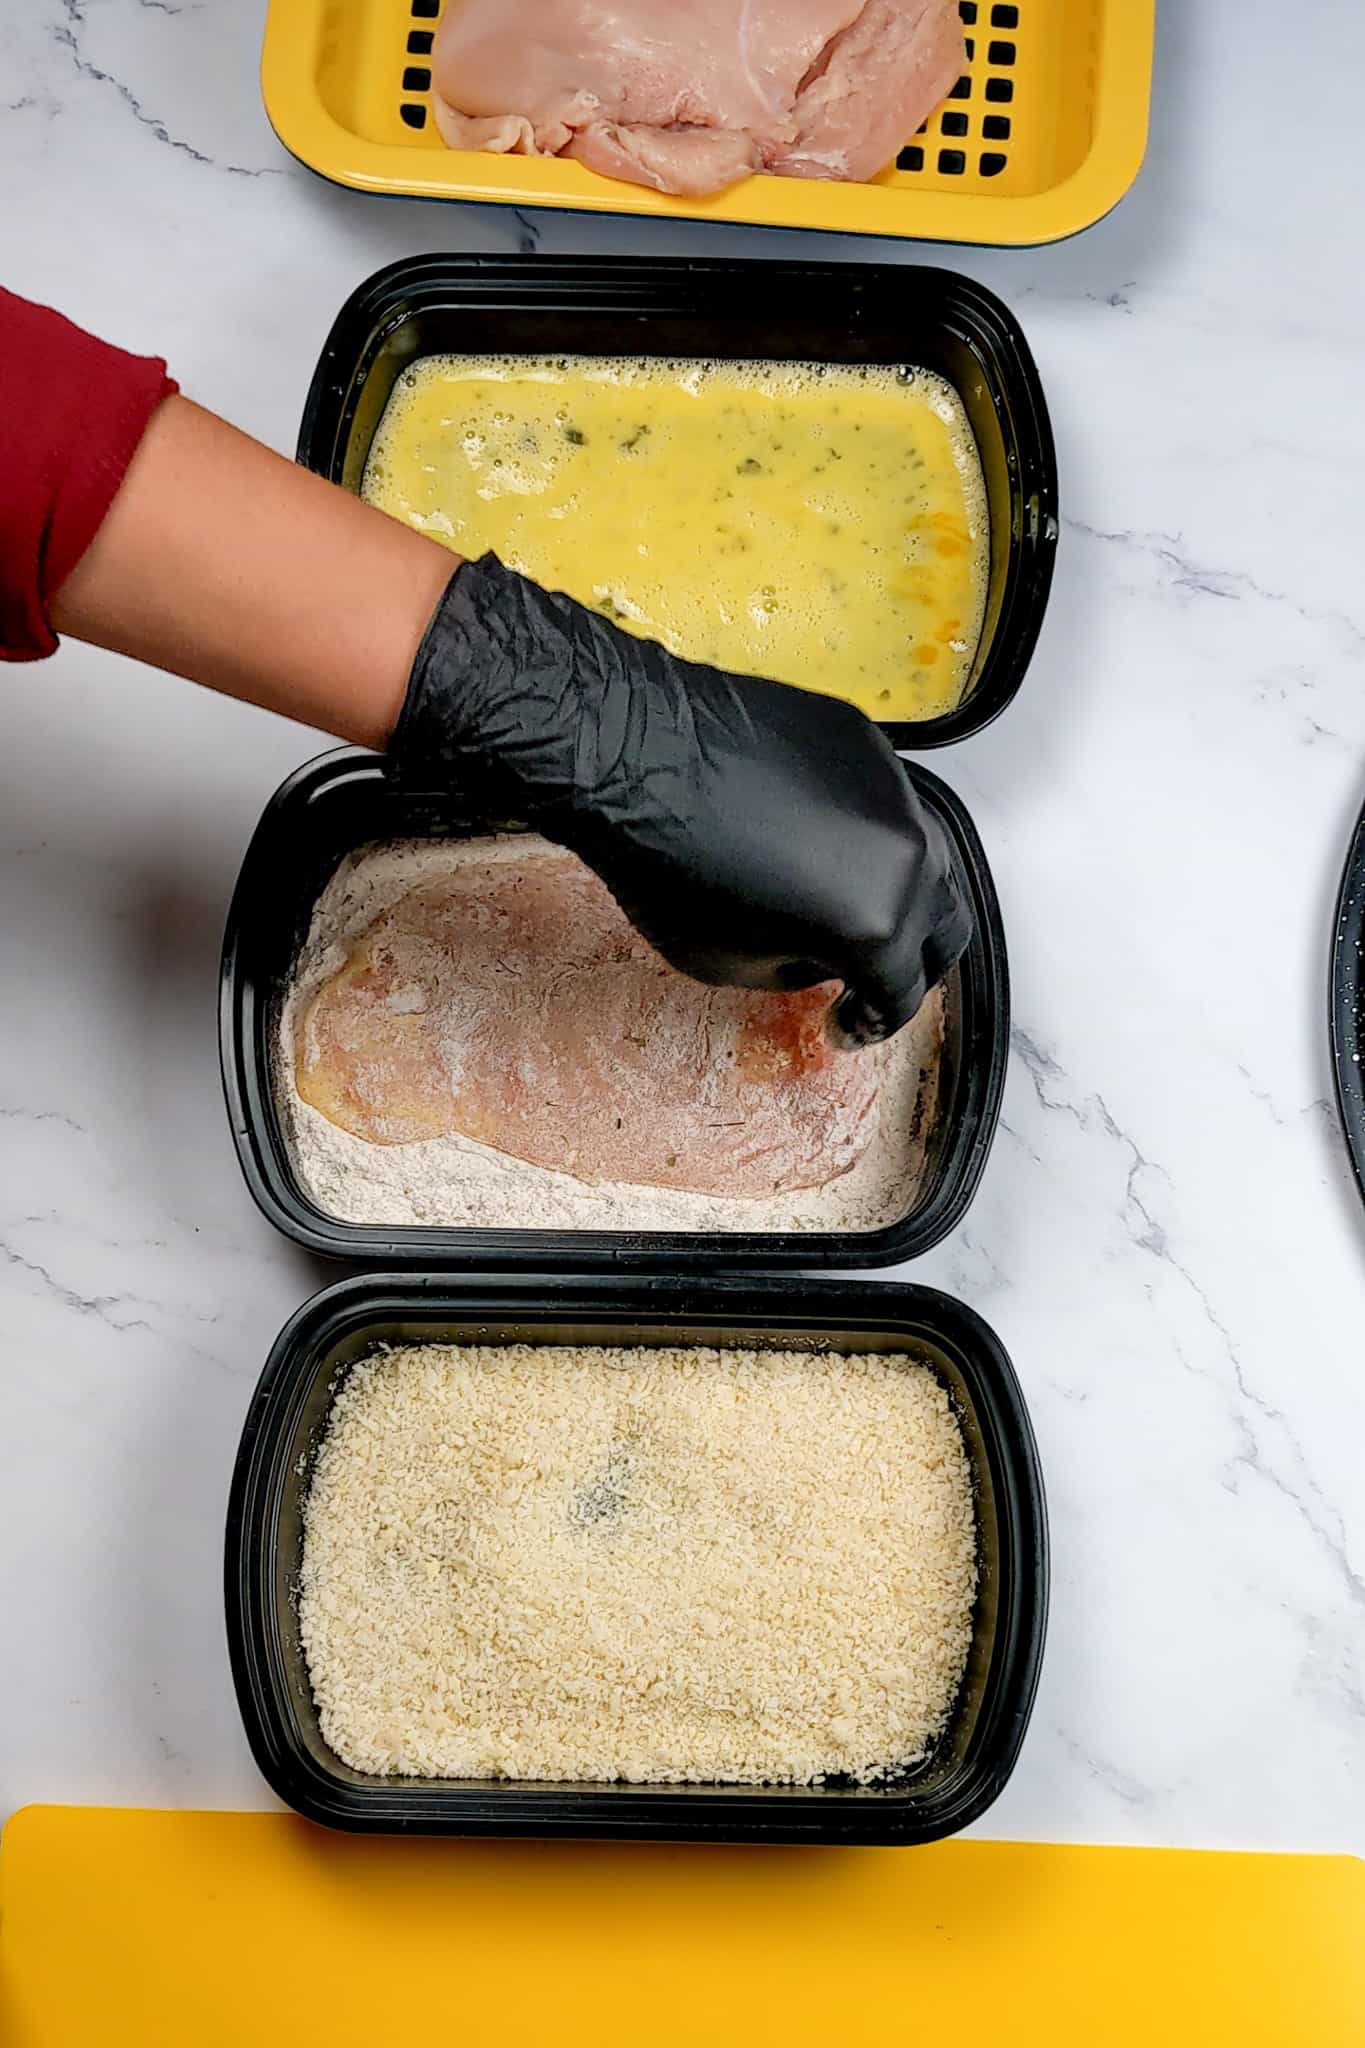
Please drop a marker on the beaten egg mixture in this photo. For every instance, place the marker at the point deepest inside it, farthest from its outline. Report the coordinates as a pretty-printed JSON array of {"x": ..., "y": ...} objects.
[{"x": 820, "y": 524}]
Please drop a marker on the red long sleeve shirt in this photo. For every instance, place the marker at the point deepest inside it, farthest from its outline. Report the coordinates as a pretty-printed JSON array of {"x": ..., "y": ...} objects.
[{"x": 72, "y": 411}]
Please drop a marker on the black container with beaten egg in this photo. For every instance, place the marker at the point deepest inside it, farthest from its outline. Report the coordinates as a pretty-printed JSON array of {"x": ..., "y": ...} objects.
[
  {"x": 730, "y": 312},
  {"x": 644, "y": 1287}
]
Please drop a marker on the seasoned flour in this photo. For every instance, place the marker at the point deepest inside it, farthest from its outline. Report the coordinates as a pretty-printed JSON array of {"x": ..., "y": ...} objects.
[{"x": 454, "y": 1181}]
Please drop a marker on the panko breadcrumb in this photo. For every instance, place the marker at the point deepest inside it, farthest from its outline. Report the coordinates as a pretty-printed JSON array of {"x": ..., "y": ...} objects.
[{"x": 662, "y": 1566}]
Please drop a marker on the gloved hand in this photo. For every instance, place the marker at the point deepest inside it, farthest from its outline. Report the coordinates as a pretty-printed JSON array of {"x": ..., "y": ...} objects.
[{"x": 755, "y": 834}]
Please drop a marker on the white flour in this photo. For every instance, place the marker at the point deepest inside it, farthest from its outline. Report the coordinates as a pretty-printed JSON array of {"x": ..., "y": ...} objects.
[{"x": 454, "y": 1181}]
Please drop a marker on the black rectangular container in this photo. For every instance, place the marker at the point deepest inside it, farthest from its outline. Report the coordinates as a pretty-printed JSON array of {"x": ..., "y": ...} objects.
[
  {"x": 346, "y": 800},
  {"x": 734, "y": 311},
  {"x": 264, "y": 1544}
]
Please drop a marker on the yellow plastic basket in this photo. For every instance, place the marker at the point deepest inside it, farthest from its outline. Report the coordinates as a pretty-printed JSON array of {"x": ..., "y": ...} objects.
[{"x": 1041, "y": 136}]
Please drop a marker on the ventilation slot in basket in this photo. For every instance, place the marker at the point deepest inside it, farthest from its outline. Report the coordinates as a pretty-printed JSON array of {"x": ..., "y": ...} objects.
[
  {"x": 416, "y": 78},
  {"x": 960, "y": 124}
]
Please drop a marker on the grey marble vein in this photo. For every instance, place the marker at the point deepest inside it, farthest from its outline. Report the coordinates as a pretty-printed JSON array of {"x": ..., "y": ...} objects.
[
  {"x": 1043, "y": 1070},
  {"x": 101, "y": 1306},
  {"x": 1017, "y": 1137},
  {"x": 1131, "y": 1790},
  {"x": 1259, "y": 1095},
  {"x": 1318, "y": 1513},
  {"x": 18, "y": 1114},
  {"x": 1167, "y": 550},
  {"x": 66, "y": 35}
]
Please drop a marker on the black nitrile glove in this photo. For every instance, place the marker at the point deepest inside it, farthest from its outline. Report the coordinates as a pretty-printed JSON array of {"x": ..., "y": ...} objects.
[{"x": 755, "y": 834}]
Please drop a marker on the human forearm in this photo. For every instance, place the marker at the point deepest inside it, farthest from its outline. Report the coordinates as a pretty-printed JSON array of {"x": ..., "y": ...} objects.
[{"x": 223, "y": 562}]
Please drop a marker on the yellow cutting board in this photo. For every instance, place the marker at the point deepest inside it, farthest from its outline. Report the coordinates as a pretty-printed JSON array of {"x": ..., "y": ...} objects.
[{"x": 203, "y": 1930}]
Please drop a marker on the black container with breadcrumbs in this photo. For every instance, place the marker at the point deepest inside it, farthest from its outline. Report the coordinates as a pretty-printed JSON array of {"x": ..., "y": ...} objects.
[
  {"x": 359, "y": 1319},
  {"x": 568, "y": 1289}
]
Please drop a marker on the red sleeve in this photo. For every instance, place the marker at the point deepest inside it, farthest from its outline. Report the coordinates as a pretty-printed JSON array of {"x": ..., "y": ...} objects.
[{"x": 72, "y": 411}]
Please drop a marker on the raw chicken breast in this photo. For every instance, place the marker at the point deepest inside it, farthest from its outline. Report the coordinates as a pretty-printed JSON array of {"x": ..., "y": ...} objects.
[
  {"x": 511, "y": 1002},
  {"x": 689, "y": 97}
]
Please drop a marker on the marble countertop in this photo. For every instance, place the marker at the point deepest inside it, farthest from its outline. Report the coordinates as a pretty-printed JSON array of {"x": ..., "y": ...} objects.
[{"x": 1167, "y": 1239}]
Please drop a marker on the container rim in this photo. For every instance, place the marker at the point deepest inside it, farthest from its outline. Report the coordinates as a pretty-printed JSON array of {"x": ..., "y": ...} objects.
[{"x": 1346, "y": 1001}]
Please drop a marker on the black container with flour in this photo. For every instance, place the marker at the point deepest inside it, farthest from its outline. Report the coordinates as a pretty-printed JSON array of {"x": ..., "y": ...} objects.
[
  {"x": 346, "y": 800},
  {"x": 558, "y": 1284}
]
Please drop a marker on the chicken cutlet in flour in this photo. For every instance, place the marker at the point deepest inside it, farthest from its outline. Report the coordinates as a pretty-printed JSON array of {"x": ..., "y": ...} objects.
[{"x": 513, "y": 1003}]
